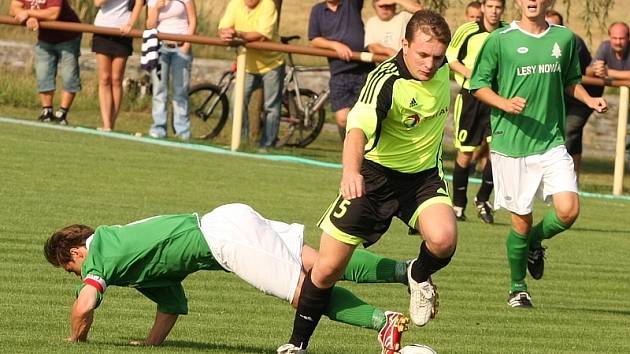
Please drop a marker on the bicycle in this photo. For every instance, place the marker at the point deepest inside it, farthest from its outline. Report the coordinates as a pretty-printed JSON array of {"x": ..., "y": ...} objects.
[{"x": 301, "y": 119}]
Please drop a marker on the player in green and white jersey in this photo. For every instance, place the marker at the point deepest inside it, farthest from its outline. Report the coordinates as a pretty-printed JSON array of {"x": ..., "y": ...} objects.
[
  {"x": 522, "y": 72},
  {"x": 472, "y": 117},
  {"x": 392, "y": 167},
  {"x": 154, "y": 256}
]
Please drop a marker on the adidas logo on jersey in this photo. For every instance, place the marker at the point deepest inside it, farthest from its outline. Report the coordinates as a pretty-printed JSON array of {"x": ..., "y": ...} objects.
[{"x": 413, "y": 102}]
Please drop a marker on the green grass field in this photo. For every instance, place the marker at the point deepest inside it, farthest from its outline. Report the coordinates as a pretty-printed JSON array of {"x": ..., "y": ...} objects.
[{"x": 51, "y": 178}]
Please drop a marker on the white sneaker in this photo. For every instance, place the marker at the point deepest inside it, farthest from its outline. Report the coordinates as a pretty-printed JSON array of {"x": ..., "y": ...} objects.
[
  {"x": 290, "y": 349},
  {"x": 423, "y": 302}
]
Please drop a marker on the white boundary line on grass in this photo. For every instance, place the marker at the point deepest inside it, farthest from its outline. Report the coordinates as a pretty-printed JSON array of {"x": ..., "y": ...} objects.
[{"x": 217, "y": 150}]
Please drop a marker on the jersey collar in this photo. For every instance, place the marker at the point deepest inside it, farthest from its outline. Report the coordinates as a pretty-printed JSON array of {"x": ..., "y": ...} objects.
[
  {"x": 402, "y": 67},
  {"x": 88, "y": 241},
  {"x": 515, "y": 25}
]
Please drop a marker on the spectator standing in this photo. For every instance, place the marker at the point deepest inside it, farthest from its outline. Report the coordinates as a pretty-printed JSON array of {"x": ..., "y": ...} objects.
[
  {"x": 252, "y": 21},
  {"x": 174, "y": 17},
  {"x": 112, "y": 53},
  {"x": 473, "y": 11},
  {"x": 337, "y": 25},
  {"x": 384, "y": 31},
  {"x": 577, "y": 112},
  {"x": 54, "y": 48},
  {"x": 612, "y": 60},
  {"x": 522, "y": 72},
  {"x": 472, "y": 117}
]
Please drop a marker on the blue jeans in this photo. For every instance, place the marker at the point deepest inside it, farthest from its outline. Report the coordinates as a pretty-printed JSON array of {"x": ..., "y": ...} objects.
[
  {"x": 66, "y": 55},
  {"x": 272, "y": 82},
  {"x": 176, "y": 65}
]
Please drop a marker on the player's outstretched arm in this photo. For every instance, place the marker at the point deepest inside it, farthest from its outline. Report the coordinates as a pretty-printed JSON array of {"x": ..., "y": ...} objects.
[{"x": 82, "y": 314}]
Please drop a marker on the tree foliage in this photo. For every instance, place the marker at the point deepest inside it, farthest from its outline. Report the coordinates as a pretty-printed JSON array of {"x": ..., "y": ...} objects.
[{"x": 595, "y": 12}]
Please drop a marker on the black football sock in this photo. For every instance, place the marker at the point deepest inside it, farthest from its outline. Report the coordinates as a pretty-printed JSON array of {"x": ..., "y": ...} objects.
[
  {"x": 460, "y": 185},
  {"x": 486, "y": 183},
  {"x": 427, "y": 264},
  {"x": 311, "y": 306}
]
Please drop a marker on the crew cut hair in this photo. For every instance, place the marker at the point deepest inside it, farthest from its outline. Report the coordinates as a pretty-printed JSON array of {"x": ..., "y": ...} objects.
[{"x": 430, "y": 23}]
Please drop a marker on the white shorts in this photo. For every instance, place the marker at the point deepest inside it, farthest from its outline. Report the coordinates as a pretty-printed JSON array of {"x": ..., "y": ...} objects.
[
  {"x": 266, "y": 254},
  {"x": 517, "y": 180}
]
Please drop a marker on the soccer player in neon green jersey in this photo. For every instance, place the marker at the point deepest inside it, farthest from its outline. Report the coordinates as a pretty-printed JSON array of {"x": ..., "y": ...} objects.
[
  {"x": 472, "y": 117},
  {"x": 392, "y": 166},
  {"x": 154, "y": 255},
  {"x": 522, "y": 72}
]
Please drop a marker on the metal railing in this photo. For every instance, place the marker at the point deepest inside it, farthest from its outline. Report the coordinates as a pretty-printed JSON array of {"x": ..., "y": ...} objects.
[
  {"x": 240, "y": 59},
  {"x": 622, "y": 121}
]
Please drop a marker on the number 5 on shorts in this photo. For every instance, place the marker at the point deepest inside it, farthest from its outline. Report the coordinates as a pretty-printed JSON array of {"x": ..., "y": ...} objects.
[{"x": 343, "y": 208}]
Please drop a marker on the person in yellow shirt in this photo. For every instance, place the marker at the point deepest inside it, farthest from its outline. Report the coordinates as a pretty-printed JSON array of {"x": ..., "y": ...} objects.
[{"x": 251, "y": 21}]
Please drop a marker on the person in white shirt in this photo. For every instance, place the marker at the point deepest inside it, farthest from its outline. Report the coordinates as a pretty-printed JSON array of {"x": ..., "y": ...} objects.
[
  {"x": 385, "y": 31},
  {"x": 112, "y": 53},
  {"x": 174, "y": 17}
]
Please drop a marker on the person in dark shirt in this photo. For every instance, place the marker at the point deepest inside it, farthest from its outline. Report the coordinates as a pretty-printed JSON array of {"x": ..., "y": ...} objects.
[
  {"x": 612, "y": 60},
  {"x": 54, "y": 47},
  {"x": 337, "y": 25},
  {"x": 577, "y": 112}
]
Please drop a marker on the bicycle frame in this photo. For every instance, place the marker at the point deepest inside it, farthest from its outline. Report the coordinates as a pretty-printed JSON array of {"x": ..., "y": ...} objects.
[{"x": 291, "y": 82}]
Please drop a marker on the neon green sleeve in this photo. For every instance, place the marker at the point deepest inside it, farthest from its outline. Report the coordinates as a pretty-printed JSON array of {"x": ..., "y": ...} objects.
[{"x": 363, "y": 116}]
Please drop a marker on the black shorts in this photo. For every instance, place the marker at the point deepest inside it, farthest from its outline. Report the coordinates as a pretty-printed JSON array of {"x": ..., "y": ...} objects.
[
  {"x": 388, "y": 193},
  {"x": 577, "y": 116},
  {"x": 345, "y": 89},
  {"x": 113, "y": 46},
  {"x": 472, "y": 122}
]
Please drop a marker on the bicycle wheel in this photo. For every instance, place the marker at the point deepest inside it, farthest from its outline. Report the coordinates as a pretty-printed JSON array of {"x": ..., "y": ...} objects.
[
  {"x": 296, "y": 130},
  {"x": 208, "y": 110}
]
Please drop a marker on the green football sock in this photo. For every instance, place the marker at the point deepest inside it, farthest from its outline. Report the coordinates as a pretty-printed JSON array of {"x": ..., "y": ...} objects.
[
  {"x": 368, "y": 267},
  {"x": 517, "y": 248},
  {"x": 548, "y": 227},
  {"x": 345, "y": 307}
]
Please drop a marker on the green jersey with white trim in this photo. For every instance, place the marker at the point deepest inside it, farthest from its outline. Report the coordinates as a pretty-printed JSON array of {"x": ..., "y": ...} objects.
[
  {"x": 153, "y": 255},
  {"x": 515, "y": 63},
  {"x": 402, "y": 117}
]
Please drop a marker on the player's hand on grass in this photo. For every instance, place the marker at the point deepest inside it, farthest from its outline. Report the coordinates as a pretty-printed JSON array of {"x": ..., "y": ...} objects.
[
  {"x": 352, "y": 185},
  {"x": 74, "y": 340},
  {"x": 514, "y": 105},
  {"x": 598, "y": 103}
]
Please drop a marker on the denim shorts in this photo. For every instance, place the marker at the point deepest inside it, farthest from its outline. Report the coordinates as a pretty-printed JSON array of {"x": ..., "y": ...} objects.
[
  {"x": 64, "y": 55},
  {"x": 345, "y": 89}
]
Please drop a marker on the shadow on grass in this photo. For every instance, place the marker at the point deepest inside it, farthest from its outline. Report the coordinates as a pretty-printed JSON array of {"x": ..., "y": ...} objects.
[
  {"x": 599, "y": 311},
  {"x": 222, "y": 347},
  {"x": 588, "y": 229}
]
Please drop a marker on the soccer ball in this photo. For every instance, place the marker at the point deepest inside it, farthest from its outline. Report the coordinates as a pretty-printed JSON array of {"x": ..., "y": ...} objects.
[{"x": 417, "y": 349}]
